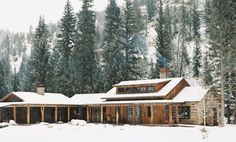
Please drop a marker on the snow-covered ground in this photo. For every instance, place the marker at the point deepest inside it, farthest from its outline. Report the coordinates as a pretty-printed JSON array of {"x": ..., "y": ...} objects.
[{"x": 108, "y": 133}]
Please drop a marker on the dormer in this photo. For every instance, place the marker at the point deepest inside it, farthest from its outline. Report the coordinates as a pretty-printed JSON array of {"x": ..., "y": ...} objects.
[
  {"x": 153, "y": 89},
  {"x": 141, "y": 86}
]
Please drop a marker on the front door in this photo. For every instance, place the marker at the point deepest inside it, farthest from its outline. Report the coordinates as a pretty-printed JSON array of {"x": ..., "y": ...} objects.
[
  {"x": 137, "y": 115},
  {"x": 96, "y": 111},
  {"x": 129, "y": 114},
  {"x": 134, "y": 115}
]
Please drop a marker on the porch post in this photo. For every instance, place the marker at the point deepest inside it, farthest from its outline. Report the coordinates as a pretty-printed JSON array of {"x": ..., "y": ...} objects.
[
  {"x": 177, "y": 114},
  {"x": 56, "y": 114},
  {"x": 42, "y": 113},
  {"x": 87, "y": 114},
  {"x": 117, "y": 116},
  {"x": 28, "y": 115},
  {"x": 170, "y": 114},
  {"x": 68, "y": 114},
  {"x": 101, "y": 114},
  {"x": 151, "y": 114},
  {"x": 14, "y": 113},
  {"x": 134, "y": 115}
]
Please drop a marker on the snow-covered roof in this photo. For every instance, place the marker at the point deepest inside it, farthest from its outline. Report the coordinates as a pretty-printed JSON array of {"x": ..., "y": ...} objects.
[
  {"x": 5, "y": 104},
  {"x": 47, "y": 98},
  {"x": 188, "y": 94},
  {"x": 191, "y": 94},
  {"x": 83, "y": 99},
  {"x": 163, "y": 92},
  {"x": 133, "y": 102},
  {"x": 141, "y": 82}
]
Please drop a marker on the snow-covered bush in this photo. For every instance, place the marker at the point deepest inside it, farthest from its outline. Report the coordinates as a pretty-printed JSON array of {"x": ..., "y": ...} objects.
[
  {"x": 77, "y": 122},
  {"x": 4, "y": 124},
  {"x": 12, "y": 123}
]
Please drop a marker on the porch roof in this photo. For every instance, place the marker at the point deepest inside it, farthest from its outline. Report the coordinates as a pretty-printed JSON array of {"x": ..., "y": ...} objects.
[
  {"x": 191, "y": 94},
  {"x": 34, "y": 98},
  {"x": 83, "y": 99}
]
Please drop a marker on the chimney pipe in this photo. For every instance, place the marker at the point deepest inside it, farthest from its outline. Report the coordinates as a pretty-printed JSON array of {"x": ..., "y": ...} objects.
[
  {"x": 40, "y": 89},
  {"x": 164, "y": 72}
]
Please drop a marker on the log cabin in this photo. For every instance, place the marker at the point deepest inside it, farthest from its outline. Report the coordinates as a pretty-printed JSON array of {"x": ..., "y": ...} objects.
[
  {"x": 35, "y": 107},
  {"x": 156, "y": 101}
]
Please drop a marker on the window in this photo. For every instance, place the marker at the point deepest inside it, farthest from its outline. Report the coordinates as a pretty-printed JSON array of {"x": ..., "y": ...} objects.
[
  {"x": 150, "y": 89},
  {"x": 184, "y": 112},
  {"x": 149, "y": 111},
  {"x": 145, "y": 89},
  {"x": 121, "y": 90}
]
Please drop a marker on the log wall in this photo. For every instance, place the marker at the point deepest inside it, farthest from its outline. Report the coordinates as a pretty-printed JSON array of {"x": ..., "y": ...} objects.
[{"x": 183, "y": 83}]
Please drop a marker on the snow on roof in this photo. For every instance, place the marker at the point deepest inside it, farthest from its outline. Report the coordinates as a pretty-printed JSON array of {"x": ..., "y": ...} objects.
[
  {"x": 191, "y": 94},
  {"x": 188, "y": 94},
  {"x": 2, "y": 104},
  {"x": 140, "y": 82},
  {"x": 47, "y": 98},
  {"x": 112, "y": 91},
  {"x": 134, "y": 102},
  {"x": 83, "y": 99},
  {"x": 163, "y": 92}
]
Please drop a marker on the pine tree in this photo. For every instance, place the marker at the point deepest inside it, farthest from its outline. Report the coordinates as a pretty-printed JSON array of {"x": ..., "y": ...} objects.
[
  {"x": 151, "y": 8},
  {"x": 26, "y": 75},
  {"x": 53, "y": 63},
  {"x": 139, "y": 18},
  {"x": 207, "y": 77},
  {"x": 67, "y": 31},
  {"x": 155, "y": 70},
  {"x": 112, "y": 55},
  {"x": 40, "y": 54},
  {"x": 3, "y": 84},
  {"x": 163, "y": 38},
  {"x": 220, "y": 23},
  {"x": 182, "y": 55},
  {"x": 134, "y": 49},
  {"x": 196, "y": 35},
  {"x": 65, "y": 44},
  {"x": 84, "y": 54},
  {"x": 197, "y": 61},
  {"x": 5, "y": 57},
  {"x": 195, "y": 21}
]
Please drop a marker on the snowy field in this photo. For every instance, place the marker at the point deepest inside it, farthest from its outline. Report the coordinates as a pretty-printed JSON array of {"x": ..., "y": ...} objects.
[{"x": 110, "y": 133}]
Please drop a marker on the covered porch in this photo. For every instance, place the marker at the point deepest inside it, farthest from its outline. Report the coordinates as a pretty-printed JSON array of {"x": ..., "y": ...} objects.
[
  {"x": 133, "y": 113},
  {"x": 32, "y": 113}
]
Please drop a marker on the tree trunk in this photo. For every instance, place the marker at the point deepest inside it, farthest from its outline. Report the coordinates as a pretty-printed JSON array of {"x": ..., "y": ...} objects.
[{"x": 222, "y": 90}]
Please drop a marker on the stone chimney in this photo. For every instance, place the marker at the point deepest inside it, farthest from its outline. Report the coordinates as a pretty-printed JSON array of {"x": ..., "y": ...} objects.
[
  {"x": 164, "y": 72},
  {"x": 40, "y": 89}
]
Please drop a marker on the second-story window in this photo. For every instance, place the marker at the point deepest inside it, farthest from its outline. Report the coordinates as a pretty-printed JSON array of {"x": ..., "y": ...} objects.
[
  {"x": 144, "y": 89},
  {"x": 149, "y": 111},
  {"x": 150, "y": 89},
  {"x": 121, "y": 90}
]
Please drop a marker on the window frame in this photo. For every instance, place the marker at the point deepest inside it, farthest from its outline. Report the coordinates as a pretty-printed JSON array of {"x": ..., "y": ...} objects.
[{"x": 184, "y": 112}]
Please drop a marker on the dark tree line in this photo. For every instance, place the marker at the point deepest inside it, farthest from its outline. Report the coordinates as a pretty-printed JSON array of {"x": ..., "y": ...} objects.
[{"x": 79, "y": 56}]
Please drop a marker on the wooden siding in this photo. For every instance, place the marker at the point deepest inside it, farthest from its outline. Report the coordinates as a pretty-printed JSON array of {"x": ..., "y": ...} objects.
[
  {"x": 160, "y": 114},
  {"x": 183, "y": 83},
  {"x": 195, "y": 112},
  {"x": 157, "y": 87},
  {"x": 11, "y": 98}
]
